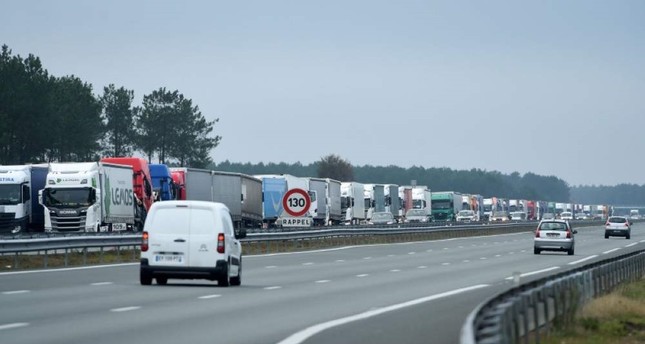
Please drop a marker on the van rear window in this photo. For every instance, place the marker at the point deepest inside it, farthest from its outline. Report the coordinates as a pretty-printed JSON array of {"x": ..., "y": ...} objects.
[
  {"x": 203, "y": 221},
  {"x": 170, "y": 221}
]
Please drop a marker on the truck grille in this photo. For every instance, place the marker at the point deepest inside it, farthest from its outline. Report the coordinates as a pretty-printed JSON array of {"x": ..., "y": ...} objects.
[
  {"x": 68, "y": 223},
  {"x": 7, "y": 221}
]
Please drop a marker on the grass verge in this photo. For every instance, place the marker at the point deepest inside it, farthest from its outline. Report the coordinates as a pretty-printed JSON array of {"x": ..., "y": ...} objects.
[{"x": 618, "y": 317}]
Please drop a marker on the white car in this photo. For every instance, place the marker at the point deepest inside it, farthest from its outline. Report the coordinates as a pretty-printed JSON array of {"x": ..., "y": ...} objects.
[
  {"x": 554, "y": 235},
  {"x": 618, "y": 226},
  {"x": 466, "y": 216},
  {"x": 566, "y": 215},
  {"x": 190, "y": 240}
]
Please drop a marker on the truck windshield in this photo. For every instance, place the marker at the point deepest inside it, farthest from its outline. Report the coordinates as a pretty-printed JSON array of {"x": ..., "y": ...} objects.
[
  {"x": 441, "y": 205},
  {"x": 73, "y": 197},
  {"x": 10, "y": 194},
  {"x": 488, "y": 207},
  {"x": 418, "y": 204}
]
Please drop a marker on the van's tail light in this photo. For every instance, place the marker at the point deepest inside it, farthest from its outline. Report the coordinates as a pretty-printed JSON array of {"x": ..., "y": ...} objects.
[
  {"x": 220, "y": 243},
  {"x": 144, "y": 242},
  {"x": 626, "y": 224},
  {"x": 537, "y": 233},
  {"x": 568, "y": 234}
]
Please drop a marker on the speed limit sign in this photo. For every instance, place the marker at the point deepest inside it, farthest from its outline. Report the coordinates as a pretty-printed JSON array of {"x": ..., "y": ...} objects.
[{"x": 296, "y": 202}]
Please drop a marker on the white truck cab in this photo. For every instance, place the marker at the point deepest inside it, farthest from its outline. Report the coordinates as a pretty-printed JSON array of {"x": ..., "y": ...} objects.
[{"x": 191, "y": 240}]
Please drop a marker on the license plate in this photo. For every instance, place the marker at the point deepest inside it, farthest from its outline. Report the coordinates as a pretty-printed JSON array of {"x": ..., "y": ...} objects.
[
  {"x": 119, "y": 226},
  {"x": 169, "y": 258},
  {"x": 552, "y": 235}
]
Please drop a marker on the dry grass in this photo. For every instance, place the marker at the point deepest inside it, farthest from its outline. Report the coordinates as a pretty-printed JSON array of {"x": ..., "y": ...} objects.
[{"x": 615, "y": 318}]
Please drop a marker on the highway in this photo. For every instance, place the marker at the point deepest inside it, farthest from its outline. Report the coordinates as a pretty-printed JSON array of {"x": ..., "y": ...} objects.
[{"x": 403, "y": 293}]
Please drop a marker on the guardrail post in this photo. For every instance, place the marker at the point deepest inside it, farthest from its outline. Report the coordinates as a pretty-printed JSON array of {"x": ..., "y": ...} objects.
[
  {"x": 66, "y": 258},
  {"x": 45, "y": 259},
  {"x": 101, "y": 255},
  {"x": 85, "y": 256}
]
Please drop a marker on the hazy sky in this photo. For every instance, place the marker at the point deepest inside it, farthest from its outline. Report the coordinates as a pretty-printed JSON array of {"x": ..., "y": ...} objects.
[{"x": 550, "y": 87}]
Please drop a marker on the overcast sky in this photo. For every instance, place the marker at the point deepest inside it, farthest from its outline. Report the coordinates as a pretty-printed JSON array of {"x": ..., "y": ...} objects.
[{"x": 550, "y": 87}]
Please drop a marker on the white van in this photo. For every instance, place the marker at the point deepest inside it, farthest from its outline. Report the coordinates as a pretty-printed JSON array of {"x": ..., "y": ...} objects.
[{"x": 190, "y": 240}]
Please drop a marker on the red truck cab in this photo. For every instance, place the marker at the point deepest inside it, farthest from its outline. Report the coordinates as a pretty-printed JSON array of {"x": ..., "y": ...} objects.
[
  {"x": 179, "y": 180},
  {"x": 142, "y": 183}
]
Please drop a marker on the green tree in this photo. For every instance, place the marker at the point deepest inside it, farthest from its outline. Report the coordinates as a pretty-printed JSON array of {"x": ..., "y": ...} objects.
[
  {"x": 154, "y": 123},
  {"x": 334, "y": 167},
  {"x": 192, "y": 141},
  {"x": 118, "y": 115}
]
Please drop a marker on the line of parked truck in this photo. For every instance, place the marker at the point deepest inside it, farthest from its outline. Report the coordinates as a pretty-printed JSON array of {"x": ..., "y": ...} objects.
[{"x": 115, "y": 194}]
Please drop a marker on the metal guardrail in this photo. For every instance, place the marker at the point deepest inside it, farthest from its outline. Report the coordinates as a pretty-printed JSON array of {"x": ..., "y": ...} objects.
[{"x": 529, "y": 312}]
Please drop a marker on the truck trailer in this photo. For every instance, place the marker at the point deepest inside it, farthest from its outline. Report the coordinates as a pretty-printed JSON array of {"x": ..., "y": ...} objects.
[{"x": 328, "y": 195}]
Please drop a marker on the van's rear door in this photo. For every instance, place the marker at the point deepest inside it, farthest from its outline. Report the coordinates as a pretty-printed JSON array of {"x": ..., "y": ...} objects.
[
  {"x": 169, "y": 236},
  {"x": 203, "y": 237}
]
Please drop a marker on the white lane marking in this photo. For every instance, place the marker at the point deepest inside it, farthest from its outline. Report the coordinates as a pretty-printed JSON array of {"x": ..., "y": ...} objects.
[
  {"x": 444, "y": 264},
  {"x": 12, "y": 326},
  {"x": 632, "y": 244},
  {"x": 362, "y": 275},
  {"x": 483, "y": 258},
  {"x": 14, "y": 292},
  {"x": 205, "y": 297},
  {"x": 303, "y": 335},
  {"x": 125, "y": 309},
  {"x": 430, "y": 250},
  {"x": 101, "y": 283},
  {"x": 307, "y": 264},
  {"x": 523, "y": 251},
  {"x": 422, "y": 267},
  {"x": 498, "y": 255},
  {"x": 466, "y": 261},
  {"x": 271, "y": 267},
  {"x": 411, "y": 253},
  {"x": 273, "y": 288},
  {"x": 391, "y": 255},
  {"x": 395, "y": 270},
  {"x": 612, "y": 250},
  {"x": 583, "y": 260},
  {"x": 511, "y": 253},
  {"x": 461, "y": 247},
  {"x": 367, "y": 258},
  {"x": 68, "y": 269},
  {"x": 445, "y": 248},
  {"x": 535, "y": 272},
  {"x": 323, "y": 281},
  {"x": 642, "y": 241},
  {"x": 340, "y": 261}
]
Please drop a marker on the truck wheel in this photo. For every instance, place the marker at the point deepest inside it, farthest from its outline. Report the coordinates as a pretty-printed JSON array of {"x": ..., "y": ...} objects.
[
  {"x": 145, "y": 278},
  {"x": 162, "y": 280},
  {"x": 224, "y": 279},
  {"x": 237, "y": 280}
]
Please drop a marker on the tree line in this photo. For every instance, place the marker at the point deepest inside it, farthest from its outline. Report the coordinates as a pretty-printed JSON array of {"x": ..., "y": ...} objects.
[
  {"x": 621, "y": 194},
  {"x": 475, "y": 181},
  {"x": 45, "y": 118}
]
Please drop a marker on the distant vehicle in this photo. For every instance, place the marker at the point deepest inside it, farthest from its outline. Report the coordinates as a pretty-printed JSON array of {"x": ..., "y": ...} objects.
[
  {"x": 581, "y": 216},
  {"x": 634, "y": 214},
  {"x": 382, "y": 218},
  {"x": 518, "y": 216},
  {"x": 618, "y": 226},
  {"x": 19, "y": 207},
  {"x": 548, "y": 216},
  {"x": 566, "y": 215},
  {"x": 554, "y": 235},
  {"x": 191, "y": 240},
  {"x": 446, "y": 205},
  {"x": 466, "y": 216},
  {"x": 417, "y": 215},
  {"x": 500, "y": 216}
]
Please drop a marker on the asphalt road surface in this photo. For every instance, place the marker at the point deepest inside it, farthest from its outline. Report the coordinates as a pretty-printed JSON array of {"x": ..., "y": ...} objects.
[{"x": 398, "y": 293}]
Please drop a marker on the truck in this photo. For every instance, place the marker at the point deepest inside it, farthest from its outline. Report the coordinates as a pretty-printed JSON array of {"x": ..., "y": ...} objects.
[
  {"x": 89, "y": 197},
  {"x": 368, "y": 199},
  {"x": 477, "y": 206},
  {"x": 274, "y": 187},
  {"x": 328, "y": 193},
  {"x": 352, "y": 202},
  {"x": 19, "y": 207},
  {"x": 241, "y": 193},
  {"x": 142, "y": 183},
  {"x": 446, "y": 205},
  {"x": 392, "y": 200},
  {"x": 422, "y": 199},
  {"x": 491, "y": 207},
  {"x": 405, "y": 195},
  {"x": 163, "y": 186}
]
